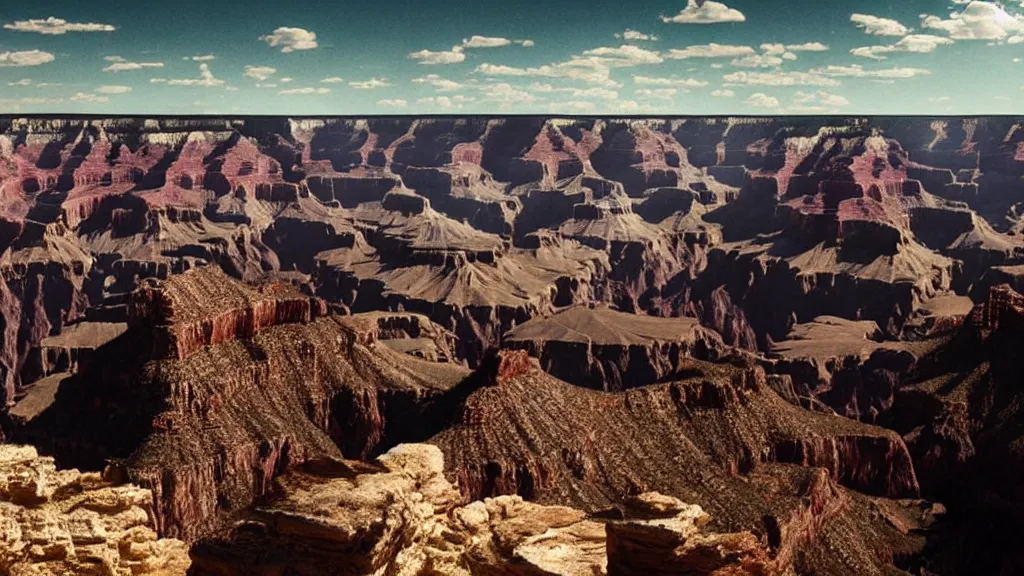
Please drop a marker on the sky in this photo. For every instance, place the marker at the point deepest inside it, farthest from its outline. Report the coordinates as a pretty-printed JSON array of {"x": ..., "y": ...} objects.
[{"x": 669, "y": 57}]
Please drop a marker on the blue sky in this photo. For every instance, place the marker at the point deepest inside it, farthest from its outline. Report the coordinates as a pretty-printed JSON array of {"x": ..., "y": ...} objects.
[{"x": 544, "y": 57}]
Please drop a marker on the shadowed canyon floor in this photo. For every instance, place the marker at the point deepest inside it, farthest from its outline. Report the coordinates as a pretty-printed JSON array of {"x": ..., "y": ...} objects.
[{"x": 516, "y": 345}]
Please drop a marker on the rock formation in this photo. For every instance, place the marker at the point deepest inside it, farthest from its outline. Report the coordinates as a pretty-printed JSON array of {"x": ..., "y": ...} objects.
[
  {"x": 68, "y": 522},
  {"x": 793, "y": 323}
]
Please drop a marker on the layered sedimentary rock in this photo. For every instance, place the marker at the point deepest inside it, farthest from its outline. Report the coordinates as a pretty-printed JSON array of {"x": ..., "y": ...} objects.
[
  {"x": 846, "y": 252},
  {"x": 398, "y": 515},
  {"x": 608, "y": 350},
  {"x": 67, "y": 522},
  {"x": 520, "y": 431},
  {"x": 208, "y": 425}
]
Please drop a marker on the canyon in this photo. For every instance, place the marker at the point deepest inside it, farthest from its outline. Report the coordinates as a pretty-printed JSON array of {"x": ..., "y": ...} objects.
[{"x": 512, "y": 345}]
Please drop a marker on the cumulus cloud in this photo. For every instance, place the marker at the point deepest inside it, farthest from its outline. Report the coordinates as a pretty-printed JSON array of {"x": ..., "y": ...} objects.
[
  {"x": 453, "y": 56},
  {"x": 332, "y": 80},
  {"x": 711, "y": 50},
  {"x": 918, "y": 43},
  {"x": 89, "y": 98},
  {"x": 25, "y": 58},
  {"x": 260, "y": 73},
  {"x": 291, "y": 39},
  {"x": 119, "y": 64},
  {"x": 635, "y": 35},
  {"x": 205, "y": 80},
  {"x": 977, "y": 21},
  {"x": 757, "y": 61},
  {"x": 504, "y": 93},
  {"x": 619, "y": 57},
  {"x": 744, "y": 78},
  {"x": 807, "y": 47},
  {"x": 762, "y": 100},
  {"x": 442, "y": 84},
  {"x": 57, "y": 26},
  {"x": 114, "y": 89},
  {"x": 723, "y": 93},
  {"x": 286, "y": 80},
  {"x": 203, "y": 58},
  {"x": 681, "y": 82},
  {"x": 445, "y": 101},
  {"x": 526, "y": 43},
  {"x": 709, "y": 12},
  {"x": 573, "y": 70},
  {"x": 392, "y": 102},
  {"x": 307, "y": 90},
  {"x": 22, "y": 82},
  {"x": 877, "y": 26},
  {"x": 656, "y": 93},
  {"x": 820, "y": 101},
  {"x": 371, "y": 84},
  {"x": 858, "y": 71},
  {"x": 485, "y": 42}
]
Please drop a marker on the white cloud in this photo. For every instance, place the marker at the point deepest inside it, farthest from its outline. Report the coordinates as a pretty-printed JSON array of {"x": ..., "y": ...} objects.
[
  {"x": 89, "y": 98},
  {"x": 505, "y": 94},
  {"x": 332, "y": 80},
  {"x": 291, "y": 39},
  {"x": 286, "y": 80},
  {"x": 599, "y": 93},
  {"x": 526, "y": 43},
  {"x": 757, "y": 61},
  {"x": 618, "y": 57},
  {"x": 709, "y": 12},
  {"x": 939, "y": 99},
  {"x": 205, "y": 80},
  {"x": 453, "y": 56},
  {"x": 307, "y": 90},
  {"x": 485, "y": 42},
  {"x": 260, "y": 73},
  {"x": 762, "y": 100},
  {"x": 25, "y": 58},
  {"x": 918, "y": 43},
  {"x": 819, "y": 101},
  {"x": 56, "y": 26},
  {"x": 22, "y": 82},
  {"x": 114, "y": 89},
  {"x": 723, "y": 93},
  {"x": 656, "y": 93},
  {"x": 744, "y": 78},
  {"x": 119, "y": 64},
  {"x": 858, "y": 71},
  {"x": 977, "y": 21},
  {"x": 807, "y": 47},
  {"x": 442, "y": 101},
  {"x": 442, "y": 84},
  {"x": 203, "y": 58},
  {"x": 576, "y": 69},
  {"x": 1017, "y": 60},
  {"x": 711, "y": 50},
  {"x": 1018, "y": 39},
  {"x": 879, "y": 26},
  {"x": 682, "y": 82},
  {"x": 635, "y": 35},
  {"x": 370, "y": 84},
  {"x": 393, "y": 102},
  {"x": 270, "y": 85}
]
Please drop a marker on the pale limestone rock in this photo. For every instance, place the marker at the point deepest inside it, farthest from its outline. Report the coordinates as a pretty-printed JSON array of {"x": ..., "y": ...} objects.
[{"x": 57, "y": 522}]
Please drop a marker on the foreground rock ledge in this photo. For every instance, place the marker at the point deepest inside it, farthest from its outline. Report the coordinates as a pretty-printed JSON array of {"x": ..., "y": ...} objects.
[
  {"x": 66, "y": 522},
  {"x": 399, "y": 516}
]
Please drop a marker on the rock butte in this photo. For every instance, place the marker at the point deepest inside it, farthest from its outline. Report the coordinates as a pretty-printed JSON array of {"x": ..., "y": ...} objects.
[{"x": 662, "y": 346}]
